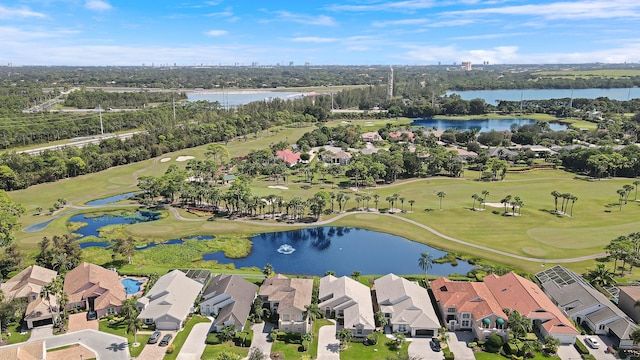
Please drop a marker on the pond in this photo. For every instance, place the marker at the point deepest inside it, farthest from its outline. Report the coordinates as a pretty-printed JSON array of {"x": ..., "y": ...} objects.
[
  {"x": 94, "y": 223},
  {"x": 492, "y": 96},
  {"x": 313, "y": 251},
  {"x": 482, "y": 125},
  {"x": 111, "y": 199},
  {"x": 235, "y": 98}
]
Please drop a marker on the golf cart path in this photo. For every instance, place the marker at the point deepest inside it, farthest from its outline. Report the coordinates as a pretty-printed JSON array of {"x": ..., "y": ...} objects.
[{"x": 429, "y": 229}]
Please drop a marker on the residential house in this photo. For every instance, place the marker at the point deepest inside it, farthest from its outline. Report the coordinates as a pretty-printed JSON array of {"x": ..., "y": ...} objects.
[
  {"x": 27, "y": 284},
  {"x": 629, "y": 301},
  {"x": 288, "y": 298},
  {"x": 465, "y": 305},
  {"x": 502, "y": 153},
  {"x": 334, "y": 155},
  {"x": 465, "y": 155},
  {"x": 349, "y": 302},
  {"x": 34, "y": 350},
  {"x": 371, "y": 136},
  {"x": 92, "y": 287},
  {"x": 479, "y": 306},
  {"x": 229, "y": 299},
  {"x": 402, "y": 135},
  {"x": 586, "y": 305},
  {"x": 541, "y": 151},
  {"x": 289, "y": 157},
  {"x": 406, "y": 306},
  {"x": 169, "y": 301}
]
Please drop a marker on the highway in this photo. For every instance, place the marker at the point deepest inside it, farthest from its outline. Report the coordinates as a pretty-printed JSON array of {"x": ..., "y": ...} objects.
[{"x": 81, "y": 142}]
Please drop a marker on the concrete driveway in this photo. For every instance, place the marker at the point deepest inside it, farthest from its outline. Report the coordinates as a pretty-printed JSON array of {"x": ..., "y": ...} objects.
[
  {"x": 599, "y": 353},
  {"x": 458, "y": 345},
  {"x": 105, "y": 345},
  {"x": 568, "y": 352},
  {"x": 328, "y": 345},
  {"x": 155, "y": 351},
  {"x": 196, "y": 342},
  {"x": 420, "y": 348},
  {"x": 79, "y": 322},
  {"x": 261, "y": 339}
]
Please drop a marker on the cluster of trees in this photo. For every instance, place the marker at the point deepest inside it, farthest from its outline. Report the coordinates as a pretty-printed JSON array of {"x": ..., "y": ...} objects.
[
  {"x": 625, "y": 249},
  {"x": 566, "y": 197},
  {"x": 60, "y": 253},
  {"x": 603, "y": 161},
  {"x": 10, "y": 256},
  {"x": 563, "y": 107},
  {"x": 83, "y": 99}
]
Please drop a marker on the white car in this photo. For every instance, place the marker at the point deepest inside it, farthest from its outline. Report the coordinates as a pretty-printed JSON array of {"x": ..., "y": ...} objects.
[{"x": 593, "y": 342}]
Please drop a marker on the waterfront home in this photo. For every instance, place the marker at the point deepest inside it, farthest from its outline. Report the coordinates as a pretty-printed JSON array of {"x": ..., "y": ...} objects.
[
  {"x": 288, "y": 298},
  {"x": 169, "y": 301},
  {"x": 27, "y": 285},
  {"x": 349, "y": 302},
  {"x": 229, "y": 299},
  {"x": 94, "y": 288},
  {"x": 406, "y": 306}
]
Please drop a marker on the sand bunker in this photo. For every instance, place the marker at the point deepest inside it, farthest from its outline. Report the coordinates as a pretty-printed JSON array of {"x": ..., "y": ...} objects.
[
  {"x": 496, "y": 205},
  {"x": 184, "y": 158},
  {"x": 165, "y": 159},
  {"x": 278, "y": 187}
]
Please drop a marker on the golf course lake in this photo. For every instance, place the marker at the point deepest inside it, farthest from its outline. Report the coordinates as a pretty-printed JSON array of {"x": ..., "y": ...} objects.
[
  {"x": 482, "y": 125},
  {"x": 313, "y": 251},
  {"x": 493, "y": 96}
]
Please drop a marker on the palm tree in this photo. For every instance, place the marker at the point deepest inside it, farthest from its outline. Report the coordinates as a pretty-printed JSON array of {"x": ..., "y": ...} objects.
[
  {"x": 133, "y": 325},
  {"x": 355, "y": 275},
  {"x": 621, "y": 193},
  {"x": 227, "y": 333},
  {"x": 376, "y": 199},
  {"x": 506, "y": 200},
  {"x": 519, "y": 324},
  {"x": 47, "y": 292},
  {"x": 425, "y": 262},
  {"x": 268, "y": 270},
  {"x": 600, "y": 276},
  {"x": 517, "y": 204},
  {"x": 573, "y": 199},
  {"x": 402, "y": 199},
  {"x": 627, "y": 190},
  {"x": 484, "y": 197},
  {"x": 411, "y": 202},
  {"x": 441, "y": 194},
  {"x": 344, "y": 335},
  {"x": 635, "y": 183},
  {"x": 635, "y": 336},
  {"x": 555, "y": 195},
  {"x": 312, "y": 312},
  {"x": 474, "y": 197}
]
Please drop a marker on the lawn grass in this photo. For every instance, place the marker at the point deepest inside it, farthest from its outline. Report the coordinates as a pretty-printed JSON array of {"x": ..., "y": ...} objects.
[
  {"x": 212, "y": 351},
  {"x": 358, "y": 351},
  {"x": 483, "y": 355},
  {"x": 313, "y": 347},
  {"x": 16, "y": 336},
  {"x": 120, "y": 328},
  {"x": 181, "y": 337}
]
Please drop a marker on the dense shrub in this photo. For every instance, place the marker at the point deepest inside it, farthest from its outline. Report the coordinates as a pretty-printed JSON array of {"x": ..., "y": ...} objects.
[
  {"x": 372, "y": 339},
  {"x": 212, "y": 339},
  {"x": 588, "y": 357},
  {"x": 448, "y": 355},
  {"x": 494, "y": 343},
  {"x": 171, "y": 349},
  {"x": 581, "y": 347}
]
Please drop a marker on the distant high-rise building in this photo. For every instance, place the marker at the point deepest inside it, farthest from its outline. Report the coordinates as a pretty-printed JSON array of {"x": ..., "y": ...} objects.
[
  {"x": 466, "y": 65},
  {"x": 390, "y": 84}
]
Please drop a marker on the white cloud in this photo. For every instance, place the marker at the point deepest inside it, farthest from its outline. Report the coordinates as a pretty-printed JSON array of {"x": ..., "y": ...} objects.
[
  {"x": 213, "y": 3},
  {"x": 321, "y": 20},
  {"x": 402, "y": 22},
  {"x": 11, "y": 13},
  {"x": 221, "y": 14},
  {"x": 488, "y": 36},
  {"x": 214, "y": 33},
  {"x": 97, "y": 5},
  {"x": 577, "y": 10},
  {"x": 399, "y": 6},
  {"x": 14, "y": 34},
  {"x": 314, "y": 39}
]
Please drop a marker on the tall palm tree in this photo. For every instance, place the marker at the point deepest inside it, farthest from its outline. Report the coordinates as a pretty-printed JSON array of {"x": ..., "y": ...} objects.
[
  {"x": 506, "y": 201},
  {"x": 411, "y": 202},
  {"x": 425, "y": 262},
  {"x": 441, "y": 194},
  {"x": 635, "y": 336},
  {"x": 600, "y": 276},
  {"x": 474, "y": 197},
  {"x": 627, "y": 189},
  {"x": 519, "y": 324},
  {"x": 484, "y": 197},
  {"x": 555, "y": 195},
  {"x": 635, "y": 183},
  {"x": 376, "y": 199},
  {"x": 573, "y": 199},
  {"x": 133, "y": 326},
  {"x": 312, "y": 312},
  {"x": 621, "y": 193},
  {"x": 355, "y": 275},
  {"x": 402, "y": 199},
  {"x": 344, "y": 335}
]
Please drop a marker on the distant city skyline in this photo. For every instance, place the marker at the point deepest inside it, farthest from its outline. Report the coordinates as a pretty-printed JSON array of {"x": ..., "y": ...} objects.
[{"x": 321, "y": 32}]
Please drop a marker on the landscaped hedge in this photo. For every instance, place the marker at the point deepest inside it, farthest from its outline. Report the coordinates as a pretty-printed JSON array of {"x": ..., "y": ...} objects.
[
  {"x": 212, "y": 339},
  {"x": 448, "y": 355},
  {"x": 581, "y": 347}
]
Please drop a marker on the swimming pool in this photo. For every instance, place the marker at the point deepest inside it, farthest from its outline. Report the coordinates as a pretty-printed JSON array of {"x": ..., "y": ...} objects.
[{"x": 131, "y": 286}]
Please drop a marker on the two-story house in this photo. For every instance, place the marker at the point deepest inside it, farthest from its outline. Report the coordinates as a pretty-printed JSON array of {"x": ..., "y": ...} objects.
[
  {"x": 288, "y": 298},
  {"x": 27, "y": 284},
  {"x": 229, "y": 299},
  {"x": 629, "y": 301},
  {"x": 349, "y": 302},
  {"x": 94, "y": 288}
]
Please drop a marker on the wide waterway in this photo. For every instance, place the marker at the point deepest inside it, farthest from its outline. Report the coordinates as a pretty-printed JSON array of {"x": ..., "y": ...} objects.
[
  {"x": 493, "y": 96},
  {"x": 482, "y": 125},
  {"x": 235, "y": 98}
]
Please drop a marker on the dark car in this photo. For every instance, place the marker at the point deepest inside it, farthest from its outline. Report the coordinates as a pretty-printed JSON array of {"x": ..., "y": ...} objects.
[
  {"x": 165, "y": 340},
  {"x": 154, "y": 337},
  {"x": 92, "y": 315},
  {"x": 435, "y": 344}
]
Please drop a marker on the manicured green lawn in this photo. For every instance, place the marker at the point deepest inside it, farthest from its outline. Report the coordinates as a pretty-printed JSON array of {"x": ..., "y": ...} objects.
[
  {"x": 357, "y": 351},
  {"x": 313, "y": 347},
  {"x": 212, "y": 351},
  {"x": 181, "y": 337},
  {"x": 490, "y": 356},
  {"x": 120, "y": 329},
  {"x": 16, "y": 336},
  {"x": 290, "y": 351}
]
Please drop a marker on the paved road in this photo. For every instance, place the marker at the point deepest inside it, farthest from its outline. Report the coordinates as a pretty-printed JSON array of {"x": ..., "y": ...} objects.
[
  {"x": 261, "y": 339},
  {"x": 196, "y": 341},
  {"x": 328, "y": 345},
  {"x": 106, "y": 346}
]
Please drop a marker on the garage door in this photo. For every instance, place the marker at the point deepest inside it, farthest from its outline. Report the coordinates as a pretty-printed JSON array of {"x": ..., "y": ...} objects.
[
  {"x": 424, "y": 332},
  {"x": 166, "y": 325}
]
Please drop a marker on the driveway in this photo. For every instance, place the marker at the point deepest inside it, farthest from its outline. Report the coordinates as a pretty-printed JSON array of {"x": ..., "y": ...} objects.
[
  {"x": 261, "y": 339},
  {"x": 458, "y": 345},
  {"x": 568, "y": 352},
  {"x": 79, "y": 322},
  {"x": 196, "y": 341},
  {"x": 420, "y": 348},
  {"x": 105, "y": 345},
  {"x": 155, "y": 351},
  {"x": 41, "y": 332},
  {"x": 599, "y": 353},
  {"x": 328, "y": 345}
]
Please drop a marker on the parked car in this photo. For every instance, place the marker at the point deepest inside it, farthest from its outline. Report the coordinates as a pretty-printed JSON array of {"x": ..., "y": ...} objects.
[
  {"x": 165, "y": 340},
  {"x": 435, "y": 344},
  {"x": 154, "y": 337},
  {"x": 92, "y": 315},
  {"x": 593, "y": 342}
]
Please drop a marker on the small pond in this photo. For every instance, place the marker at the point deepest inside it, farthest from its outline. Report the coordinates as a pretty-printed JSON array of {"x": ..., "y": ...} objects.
[
  {"x": 482, "y": 125},
  {"x": 94, "y": 223},
  {"x": 313, "y": 251},
  {"x": 111, "y": 199}
]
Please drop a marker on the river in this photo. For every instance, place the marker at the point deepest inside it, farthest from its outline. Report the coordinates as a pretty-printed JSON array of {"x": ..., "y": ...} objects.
[{"x": 493, "y": 96}]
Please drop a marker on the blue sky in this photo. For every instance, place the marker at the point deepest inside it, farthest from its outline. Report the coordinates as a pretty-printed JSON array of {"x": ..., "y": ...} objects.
[{"x": 321, "y": 32}]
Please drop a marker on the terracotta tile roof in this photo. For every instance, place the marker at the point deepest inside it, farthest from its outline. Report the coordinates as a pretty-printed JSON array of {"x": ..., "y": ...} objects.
[
  {"x": 288, "y": 292},
  {"x": 473, "y": 297},
  {"x": 288, "y": 156},
  {"x": 89, "y": 280}
]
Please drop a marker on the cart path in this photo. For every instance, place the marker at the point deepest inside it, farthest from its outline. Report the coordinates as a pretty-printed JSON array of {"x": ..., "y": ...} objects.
[{"x": 425, "y": 227}]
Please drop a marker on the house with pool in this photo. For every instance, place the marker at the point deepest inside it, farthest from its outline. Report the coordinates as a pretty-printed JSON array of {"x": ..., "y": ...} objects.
[
  {"x": 94, "y": 288},
  {"x": 169, "y": 301}
]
